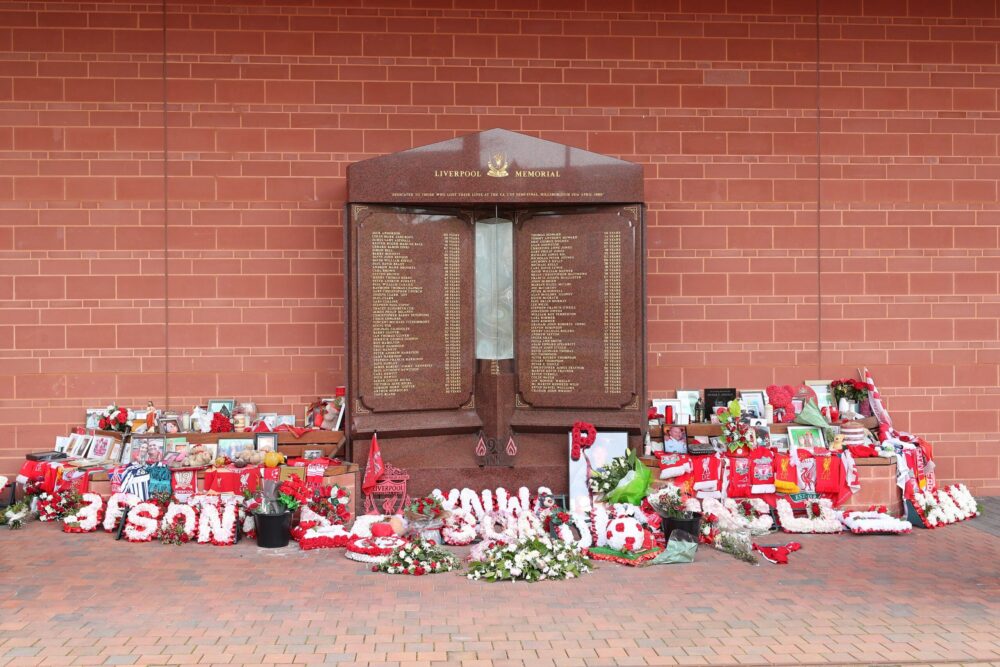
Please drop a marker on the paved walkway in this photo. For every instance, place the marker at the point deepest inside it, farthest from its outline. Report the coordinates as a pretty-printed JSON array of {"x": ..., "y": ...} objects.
[{"x": 931, "y": 597}]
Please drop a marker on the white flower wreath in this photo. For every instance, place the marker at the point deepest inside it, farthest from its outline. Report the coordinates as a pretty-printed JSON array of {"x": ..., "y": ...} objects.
[
  {"x": 872, "y": 522},
  {"x": 179, "y": 511},
  {"x": 217, "y": 524},
  {"x": 460, "y": 528},
  {"x": 88, "y": 517},
  {"x": 964, "y": 500},
  {"x": 115, "y": 508},
  {"x": 826, "y": 522},
  {"x": 141, "y": 522},
  {"x": 731, "y": 518}
]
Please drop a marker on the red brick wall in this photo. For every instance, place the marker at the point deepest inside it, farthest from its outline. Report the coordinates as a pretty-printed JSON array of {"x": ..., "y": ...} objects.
[{"x": 715, "y": 98}]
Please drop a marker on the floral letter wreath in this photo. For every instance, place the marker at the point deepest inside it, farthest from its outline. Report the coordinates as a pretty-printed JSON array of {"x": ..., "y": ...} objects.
[
  {"x": 459, "y": 528},
  {"x": 876, "y": 521},
  {"x": 753, "y": 514},
  {"x": 114, "y": 510},
  {"x": 142, "y": 522},
  {"x": 584, "y": 435},
  {"x": 88, "y": 517},
  {"x": 177, "y": 511},
  {"x": 821, "y": 518},
  {"x": 217, "y": 524}
]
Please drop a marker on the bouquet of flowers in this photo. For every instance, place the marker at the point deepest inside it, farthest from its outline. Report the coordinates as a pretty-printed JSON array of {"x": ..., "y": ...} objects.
[
  {"x": 331, "y": 502},
  {"x": 736, "y": 433},
  {"x": 604, "y": 480},
  {"x": 15, "y": 515},
  {"x": 669, "y": 501},
  {"x": 114, "y": 418},
  {"x": 428, "y": 508},
  {"x": 417, "y": 558},
  {"x": 852, "y": 390},
  {"x": 530, "y": 559},
  {"x": 293, "y": 492}
]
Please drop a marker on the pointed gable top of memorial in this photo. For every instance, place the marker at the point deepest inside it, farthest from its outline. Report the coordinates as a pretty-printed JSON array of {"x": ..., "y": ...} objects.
[{"x": 494, "y": 166}]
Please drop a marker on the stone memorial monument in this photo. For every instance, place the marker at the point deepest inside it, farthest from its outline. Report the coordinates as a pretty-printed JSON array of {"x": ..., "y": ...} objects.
[{"x": 496, "y": 292}]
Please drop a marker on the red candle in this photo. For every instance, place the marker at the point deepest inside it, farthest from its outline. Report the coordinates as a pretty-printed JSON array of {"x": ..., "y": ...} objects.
[{"x": 668, "y": 414}]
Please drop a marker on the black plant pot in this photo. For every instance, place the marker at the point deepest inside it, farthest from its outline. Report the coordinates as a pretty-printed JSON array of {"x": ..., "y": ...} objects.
[
  {"x": 691, "y": 525},
  {"x": 273, "y": 530}
]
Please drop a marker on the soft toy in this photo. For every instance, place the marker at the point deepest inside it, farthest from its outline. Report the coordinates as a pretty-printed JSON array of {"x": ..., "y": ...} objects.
[
  {"x": 197, "y": 457},
  {"x": 780, "y": 398}
]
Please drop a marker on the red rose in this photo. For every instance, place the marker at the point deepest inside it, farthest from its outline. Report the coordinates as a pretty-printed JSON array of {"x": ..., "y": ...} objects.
[
  {"x": 419, "y": 571},
  {"x": 103, "y": 424}
]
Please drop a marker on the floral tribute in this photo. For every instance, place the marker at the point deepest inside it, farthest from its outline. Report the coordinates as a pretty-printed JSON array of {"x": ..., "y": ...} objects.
[
  {"x": 460, "y": 528},
  {"x": 15, "y": 515},
  {"x": 736, "y": 434},
  {"x": 752, "y": 514},
  {"x": 53, "y": 506},
  {"x": 875, "y": 521},
  {"x": 333, "y": 504},
  {"x": 428, "y": 508},
  {"x": 114, "y": 418},
  {"x": 627, "y": 542},
  {"x": 217, "y": 523},
  {"x": 86, "y": 516},
  {"x": 604, "y": 480},
  {"x": 852, "y": 390},
  {"x": 116, "y": 507},
  {"x": 221, "y": 423},
  {"x": 584, "y": 435},
  {"x": 294, "y": 492},
  {"x": 530, "y": 559},
  {"x": 820, "y": 518},
  {"x": 179, "y": 524},
  {"x": 417, "y": 558},
  {"x": 142, "y": 522},
  {"x": 374, "y": 549},
  {"x": 943, "y": 506}
]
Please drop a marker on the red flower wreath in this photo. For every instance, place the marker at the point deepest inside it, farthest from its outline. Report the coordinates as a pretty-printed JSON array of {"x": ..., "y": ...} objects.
[{"x": 584, "y": 435}]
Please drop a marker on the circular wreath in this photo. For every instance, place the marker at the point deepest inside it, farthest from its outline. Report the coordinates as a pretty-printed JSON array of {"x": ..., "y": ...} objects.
[
  {"x": 584, "y": 435},
  {"x": 373, "y": 549},
  {"x": 459, "y": 528}
]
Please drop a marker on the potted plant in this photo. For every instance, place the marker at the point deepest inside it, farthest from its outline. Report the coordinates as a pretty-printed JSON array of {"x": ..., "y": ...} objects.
[
  {"x": 670, "y": 503},
  {"x": 273, "y": 516}
]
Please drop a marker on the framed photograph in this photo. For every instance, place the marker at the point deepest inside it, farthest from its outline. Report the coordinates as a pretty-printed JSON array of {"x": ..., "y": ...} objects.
[
  {"x": 93, "y": 417},
  {"x": 173, "y": 458},
  {"x": 116, "y": 451},
  {"x": 753, "y": 402},
  {"x": 226, "y": 405},
  {"x": 688, "y": 398},
  {"x": 62, "y": 441},
  {"x": 266, "y": 442},
  {"x": 269, "y": 418},
  {"x": 78, "y": 445},
  {"x": 780, "y": 441},
  {"x": 824, "y": 396},
  {"x": 169, "y": 425},
  {"x": 715, "y": 398},
  {"x": 675, "y": 439},
  {"x": 287, "y": 420},
  {"x": 608, "y": 445},
  {"x": 101, "y": 447},
  {"x": 312, "y": 453},
  {"x": 806, "y": 437},
  {"x": 126, "y": 454},
  {"x": 176, "y": 444},
  {"x": 232, "y": 446},
  {"x": 147, "y": 448},
  {"x": 661, "y": 405}
]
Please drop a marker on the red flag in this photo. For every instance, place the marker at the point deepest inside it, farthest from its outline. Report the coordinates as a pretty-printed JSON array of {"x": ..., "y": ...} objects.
[{"x": 374, "y": 468}]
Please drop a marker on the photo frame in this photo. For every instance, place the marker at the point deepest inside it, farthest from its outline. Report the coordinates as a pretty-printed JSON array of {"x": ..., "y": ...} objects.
[
  {"x": 94, "y": 417},
  {"x": 806, "y": 437},
  {"x": 125, "y": 457},
  {"x": 780, "y": 441},
  {"x": 78, "y": 445},
  {"x": 661, "y": 405},
  {"x": 226, "y": 405},
  {"x": 310, "y": 454},
  {"x": 675, "y": 439},
  {"x": 688, "y": 399},
  {"x": 608, "y": 445},
  {"x": 169, "y": 425},
  {"x": 269, "y": 418},
  {"x": 286, "y": 420},
  {"x": 230, "y": 447},
  {"x": 116, "y": 450},
  {"x": 266, "y": 442},
  {"x": 754, "y": 402},
  {"x": 62, "y": 441},
  {"x": 101, "y": 447},
  {"x": 718, "y": 397},
  {"x": 824, "y": 395},
  {"x": 147, "y": 448}
]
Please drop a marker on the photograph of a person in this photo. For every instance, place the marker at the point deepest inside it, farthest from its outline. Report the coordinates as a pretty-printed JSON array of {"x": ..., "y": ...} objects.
[{"x": 675, "y": 439}]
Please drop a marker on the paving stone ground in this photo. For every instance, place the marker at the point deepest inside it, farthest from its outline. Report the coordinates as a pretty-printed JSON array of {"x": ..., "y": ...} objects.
[{"x": 932, "y": 597}]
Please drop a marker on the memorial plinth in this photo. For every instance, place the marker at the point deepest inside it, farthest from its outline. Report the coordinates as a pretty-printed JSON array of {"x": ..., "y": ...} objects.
[{"x": 495, "y": 286}]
